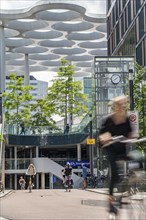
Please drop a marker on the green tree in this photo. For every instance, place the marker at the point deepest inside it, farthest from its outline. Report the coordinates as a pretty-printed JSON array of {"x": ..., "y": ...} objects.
[
  {"x": 66, "y": 94},
  {"x": 42, "y": 112},
  {"x": 139, "y": 83},
  {"x": 17, "y": 101}
]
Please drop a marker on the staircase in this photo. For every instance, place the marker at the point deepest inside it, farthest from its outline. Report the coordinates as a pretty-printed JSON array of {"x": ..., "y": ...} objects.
[{"x": 46, "y": 165}]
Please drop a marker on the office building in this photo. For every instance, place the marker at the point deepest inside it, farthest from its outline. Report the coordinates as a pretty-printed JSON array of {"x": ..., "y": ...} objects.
[
  {"x": 126, "y": 33},
  {"x": 40, "y": 88},
  {"x": 87, "y": 85}
]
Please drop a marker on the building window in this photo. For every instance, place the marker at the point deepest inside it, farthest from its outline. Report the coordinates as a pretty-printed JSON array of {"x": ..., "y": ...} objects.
[
  {"x": 117, "y": 10},
  {"x": 124, "y": 3},
  {"x": 141, "y": 24},
  {"x": 126, "y": 18},
  {"x": 108, "y": 26},
  {"x": 129, "y": 13},
  {"x": 123, "y": 25},
  {"x": 139, "y": 54},
  {"x": 138, "y": 4}
]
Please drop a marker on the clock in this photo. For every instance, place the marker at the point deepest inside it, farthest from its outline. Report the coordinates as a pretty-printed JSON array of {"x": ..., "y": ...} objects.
[{"x": 115, "y": 79}]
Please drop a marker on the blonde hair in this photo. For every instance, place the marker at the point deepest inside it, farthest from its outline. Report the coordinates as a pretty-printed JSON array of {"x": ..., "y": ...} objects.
[{"x": 117, "y": 100}]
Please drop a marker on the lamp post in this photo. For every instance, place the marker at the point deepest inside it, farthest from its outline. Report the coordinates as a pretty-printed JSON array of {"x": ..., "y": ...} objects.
[
  {"x": 91, "y": 147},
  {"x": 131, "y": 89}
]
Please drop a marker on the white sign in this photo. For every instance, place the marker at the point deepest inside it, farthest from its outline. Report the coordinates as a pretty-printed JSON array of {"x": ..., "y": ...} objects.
[
  {"x": 133, "y": 118},
  {"x": 31, "y": 171}
]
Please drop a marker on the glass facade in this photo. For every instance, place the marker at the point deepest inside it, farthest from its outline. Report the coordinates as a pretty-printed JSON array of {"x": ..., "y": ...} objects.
[
  {"x": 87, "y": 84},
  {"x": 126, "y": 33},
  {"x": 111, "y": 79}
]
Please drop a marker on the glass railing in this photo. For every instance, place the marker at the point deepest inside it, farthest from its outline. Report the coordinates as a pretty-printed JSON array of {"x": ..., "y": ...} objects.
[
  {"x": 45, "y": 130},
  {"x": 23, "y": 163},
  {"x": 11, "y": 164},
  {"x": 35, "y": 130},
  {"x": 85, "y": 121}
]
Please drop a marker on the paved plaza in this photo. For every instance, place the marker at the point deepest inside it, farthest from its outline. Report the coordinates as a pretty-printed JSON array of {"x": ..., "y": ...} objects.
[{"x": 57, "y": 204}]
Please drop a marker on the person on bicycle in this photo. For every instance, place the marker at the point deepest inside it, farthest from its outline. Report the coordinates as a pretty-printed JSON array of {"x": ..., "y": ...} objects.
[
  {"x": 68, "y": 176},
  {"x": 115, "y": 124}
]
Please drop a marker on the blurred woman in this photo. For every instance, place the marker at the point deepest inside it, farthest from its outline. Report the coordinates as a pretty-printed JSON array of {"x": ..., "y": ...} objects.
[{"x": 115, "y": 124}]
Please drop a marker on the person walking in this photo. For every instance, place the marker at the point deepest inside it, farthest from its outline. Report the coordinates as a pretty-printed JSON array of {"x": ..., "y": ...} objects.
[
  {"x": 22, "y": 183},
  {"x": 115, "y": 124},
  {"x": 66, "y": 131},
  {"x": 84, "y": 176},
  {"x": 63, "y": 175},
  {"x": 22, "y": 128}
]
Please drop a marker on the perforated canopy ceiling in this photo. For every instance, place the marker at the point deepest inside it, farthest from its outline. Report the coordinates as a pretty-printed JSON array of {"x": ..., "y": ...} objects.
[{"x": 47, "y": 31}]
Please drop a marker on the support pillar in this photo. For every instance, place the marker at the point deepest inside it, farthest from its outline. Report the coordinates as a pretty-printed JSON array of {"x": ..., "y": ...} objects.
[
  {"x": 42, "y": 180},
  {"x": 37, "y": 151},
  {"x": 50, "y": 180},
  {"x": 26, "y": 76},
  {"x": 79, "y": 152},
  {"x": 15, "y": 156},
  {"x": 15, "y": 181}
]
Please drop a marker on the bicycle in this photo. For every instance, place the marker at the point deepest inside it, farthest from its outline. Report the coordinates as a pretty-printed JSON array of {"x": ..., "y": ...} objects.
[
  {"x": 68, "y": 183},
  {"x": 128, "y": 194}
]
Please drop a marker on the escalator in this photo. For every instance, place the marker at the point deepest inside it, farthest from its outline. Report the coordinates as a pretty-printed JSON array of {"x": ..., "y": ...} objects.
[{"x": 46, "y": 165}]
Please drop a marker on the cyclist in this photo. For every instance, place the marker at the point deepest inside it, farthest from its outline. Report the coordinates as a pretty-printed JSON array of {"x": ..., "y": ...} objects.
[
  {"x": 68, "y": 177},
  {"x": 115, "y": 124}
]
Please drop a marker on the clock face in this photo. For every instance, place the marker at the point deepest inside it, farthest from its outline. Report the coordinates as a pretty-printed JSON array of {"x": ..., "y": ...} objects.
[{"x": 115, "y": 79}]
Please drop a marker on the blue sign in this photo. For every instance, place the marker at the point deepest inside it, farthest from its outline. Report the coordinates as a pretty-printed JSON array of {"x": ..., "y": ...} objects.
[
  {"x": 54, "y": 179},
  {"x": 76, "y": 164}
]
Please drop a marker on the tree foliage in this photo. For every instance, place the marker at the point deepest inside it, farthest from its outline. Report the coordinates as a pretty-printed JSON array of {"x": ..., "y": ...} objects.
[
  {"x": 17, "y": 101},
  {"x": 66, "y": 94},
  {"x": 42, "y": 112},
  {"x": 139, "y": 82},
  {"x": 18, "y": 105}
]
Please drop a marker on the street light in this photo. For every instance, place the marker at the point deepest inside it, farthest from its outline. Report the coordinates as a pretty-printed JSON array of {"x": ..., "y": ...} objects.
[{"x": 91, "y": 147}]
